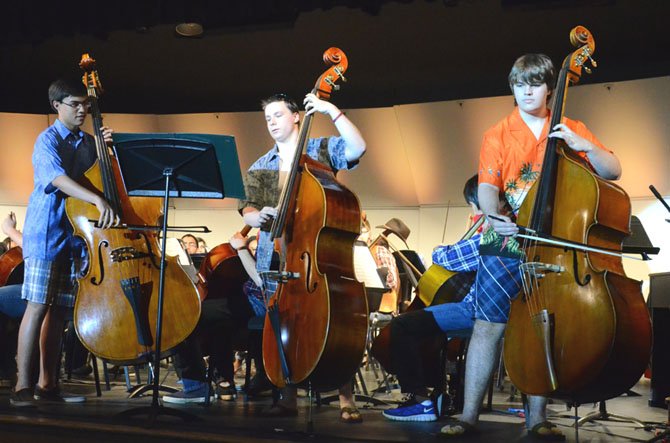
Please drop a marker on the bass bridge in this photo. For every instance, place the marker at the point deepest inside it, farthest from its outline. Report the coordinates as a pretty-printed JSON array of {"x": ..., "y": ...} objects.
[
  {"x": 538, "y": 270},
  {"x": 126, "y": 253}
]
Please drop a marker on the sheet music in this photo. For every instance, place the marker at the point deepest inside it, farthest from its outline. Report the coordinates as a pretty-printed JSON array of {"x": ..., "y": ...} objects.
[{"x": 365, "y": 267}]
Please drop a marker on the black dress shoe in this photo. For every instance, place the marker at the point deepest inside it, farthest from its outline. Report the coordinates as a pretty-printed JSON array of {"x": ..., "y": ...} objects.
[
  {"x": 82, "y": 371},
  {"x": 278, "y": 410},
  {"x": 257, "y": 385}
]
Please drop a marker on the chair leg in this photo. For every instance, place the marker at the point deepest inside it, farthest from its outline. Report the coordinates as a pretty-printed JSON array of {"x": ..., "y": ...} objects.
[
  {"x": 459, "y": 377},
  {"x": 96, "y": 376},
  {"x": 247, "y": 370},
  {"x": 138, "y": 377},
  {"x": 275, "y": 395},
  {"x": 359, "y": 382},
  {"x": 129, "y": 385},
  {"x": 440, "y": 393},
  {"x": 105, "y": 373},
  {"x": 67, "y": 349},
  {"x": 209, "y": 371}
]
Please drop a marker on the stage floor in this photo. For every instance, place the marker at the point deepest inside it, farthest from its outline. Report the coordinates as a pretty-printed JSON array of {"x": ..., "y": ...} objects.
[{"x": 97, "y": 420}]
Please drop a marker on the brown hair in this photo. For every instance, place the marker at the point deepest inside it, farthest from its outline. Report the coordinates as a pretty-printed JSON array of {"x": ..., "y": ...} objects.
[
  {"x": 533, "y": 69},
  {"x": 470, "y": 190},
  {"x": 65, "y": 87},
  {"x": 290, "y": 103}
]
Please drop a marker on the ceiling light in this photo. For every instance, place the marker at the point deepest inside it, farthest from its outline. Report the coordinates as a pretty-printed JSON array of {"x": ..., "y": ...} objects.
[{"x": 189, "y": 29}]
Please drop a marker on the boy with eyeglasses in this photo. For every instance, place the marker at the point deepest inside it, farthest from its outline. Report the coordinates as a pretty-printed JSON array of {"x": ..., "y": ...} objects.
[{"x": 62, "y": 154}]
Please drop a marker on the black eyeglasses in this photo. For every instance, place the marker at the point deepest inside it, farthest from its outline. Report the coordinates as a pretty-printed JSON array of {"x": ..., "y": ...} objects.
[{"x": 75, "y": 105}]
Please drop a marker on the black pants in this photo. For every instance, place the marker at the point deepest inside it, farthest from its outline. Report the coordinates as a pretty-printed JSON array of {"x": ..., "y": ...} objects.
[
  {"x": 407, "y": 331},
  {"x": 221, "y": 321},
  {"x": 75, "y": 352},
  {"x": 9, "y": 331}
]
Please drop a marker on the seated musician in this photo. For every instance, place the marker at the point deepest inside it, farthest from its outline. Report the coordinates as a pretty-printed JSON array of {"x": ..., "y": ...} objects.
[
  {"x": 221, "y": 319},
  {"x": 246, "y": 250},
  {"x": 190, "y": 243},
  {"x": 11, "y": 308},
  {"x": 263, "y": 184},
  {"x": 202, "y": 246},
  {"x": 412, "y": 327},
  {"x": 381, "y": 252}
]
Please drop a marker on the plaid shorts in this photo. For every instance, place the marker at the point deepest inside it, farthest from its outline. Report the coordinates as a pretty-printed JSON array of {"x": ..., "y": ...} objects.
[
  {"x": 498, "y": 283},
  {"x": 50, "y": 282}
]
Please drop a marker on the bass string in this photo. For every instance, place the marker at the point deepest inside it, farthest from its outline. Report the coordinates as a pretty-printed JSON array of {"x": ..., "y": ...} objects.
[{"x": 528, "y": 279}]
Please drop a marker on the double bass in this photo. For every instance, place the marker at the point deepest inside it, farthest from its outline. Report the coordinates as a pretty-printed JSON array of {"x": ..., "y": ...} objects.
[
  {"x": 317, "y": 320},
  {"x": 116, "y": 305},
  {"x": 580, "y": 330}
]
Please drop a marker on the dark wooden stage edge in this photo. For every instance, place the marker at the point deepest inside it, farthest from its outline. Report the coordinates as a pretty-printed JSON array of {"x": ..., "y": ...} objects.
[{"x": 239, "y": 421}]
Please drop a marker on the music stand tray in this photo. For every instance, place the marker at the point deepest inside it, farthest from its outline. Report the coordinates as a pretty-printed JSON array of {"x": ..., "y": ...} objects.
[
  {"x": 207, "y": 165},
  {"x": 178, "y": 166}
]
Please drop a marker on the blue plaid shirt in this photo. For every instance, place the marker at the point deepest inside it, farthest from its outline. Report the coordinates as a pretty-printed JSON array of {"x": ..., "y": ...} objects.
[
  {"x": 255, "y": 297},
  {"x": 261, "y": 186},
  {"x": 47, "y": 233},
  {"x": 462, "y": 256}
]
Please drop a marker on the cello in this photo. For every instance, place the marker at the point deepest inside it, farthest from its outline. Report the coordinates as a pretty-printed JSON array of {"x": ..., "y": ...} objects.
[
  {"x": 221, "y": 273},
  {"x": 580, "y": 331},
  {"x": 11, "y": 261},
  {"x": 11, "y": 266},
  {"x": 116, "y": 305},
  {"x": 316, "y": 324}
]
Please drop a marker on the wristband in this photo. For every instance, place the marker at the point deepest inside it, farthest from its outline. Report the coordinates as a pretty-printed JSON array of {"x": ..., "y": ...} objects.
[{"x": 338, "y": 116}]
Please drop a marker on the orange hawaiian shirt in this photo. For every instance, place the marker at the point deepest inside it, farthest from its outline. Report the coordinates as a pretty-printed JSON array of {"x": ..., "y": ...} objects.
[{"x": 511, "y": 157}]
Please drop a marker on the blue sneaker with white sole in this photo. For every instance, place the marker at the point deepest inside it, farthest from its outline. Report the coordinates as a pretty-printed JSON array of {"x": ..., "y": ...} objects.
[
  {"x": 194, "y": 396},
  {"x": 424, "y": 411}
]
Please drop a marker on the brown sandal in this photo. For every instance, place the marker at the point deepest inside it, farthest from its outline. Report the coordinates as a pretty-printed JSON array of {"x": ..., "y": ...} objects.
[
  {"x": 457, "y": 429},
  {"x": 350, "y": 414},
  {"x": 546, "y": 431}
]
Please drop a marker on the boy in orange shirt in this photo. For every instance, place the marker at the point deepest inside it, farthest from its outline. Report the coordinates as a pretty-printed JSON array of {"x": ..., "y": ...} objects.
[{"x": 510, "y": 160}]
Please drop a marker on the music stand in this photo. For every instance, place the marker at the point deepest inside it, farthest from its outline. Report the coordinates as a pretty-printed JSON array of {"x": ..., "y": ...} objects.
[
  {"x": 638, "y": 241},
  {"x": 175, "y": 165}
]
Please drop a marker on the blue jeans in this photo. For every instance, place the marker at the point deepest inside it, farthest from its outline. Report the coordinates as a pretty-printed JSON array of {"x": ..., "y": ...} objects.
[
  {"x": 412, "y": 328},
  {"x": 11, "y": 303},
  {"x": 453, "y": 316}
]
